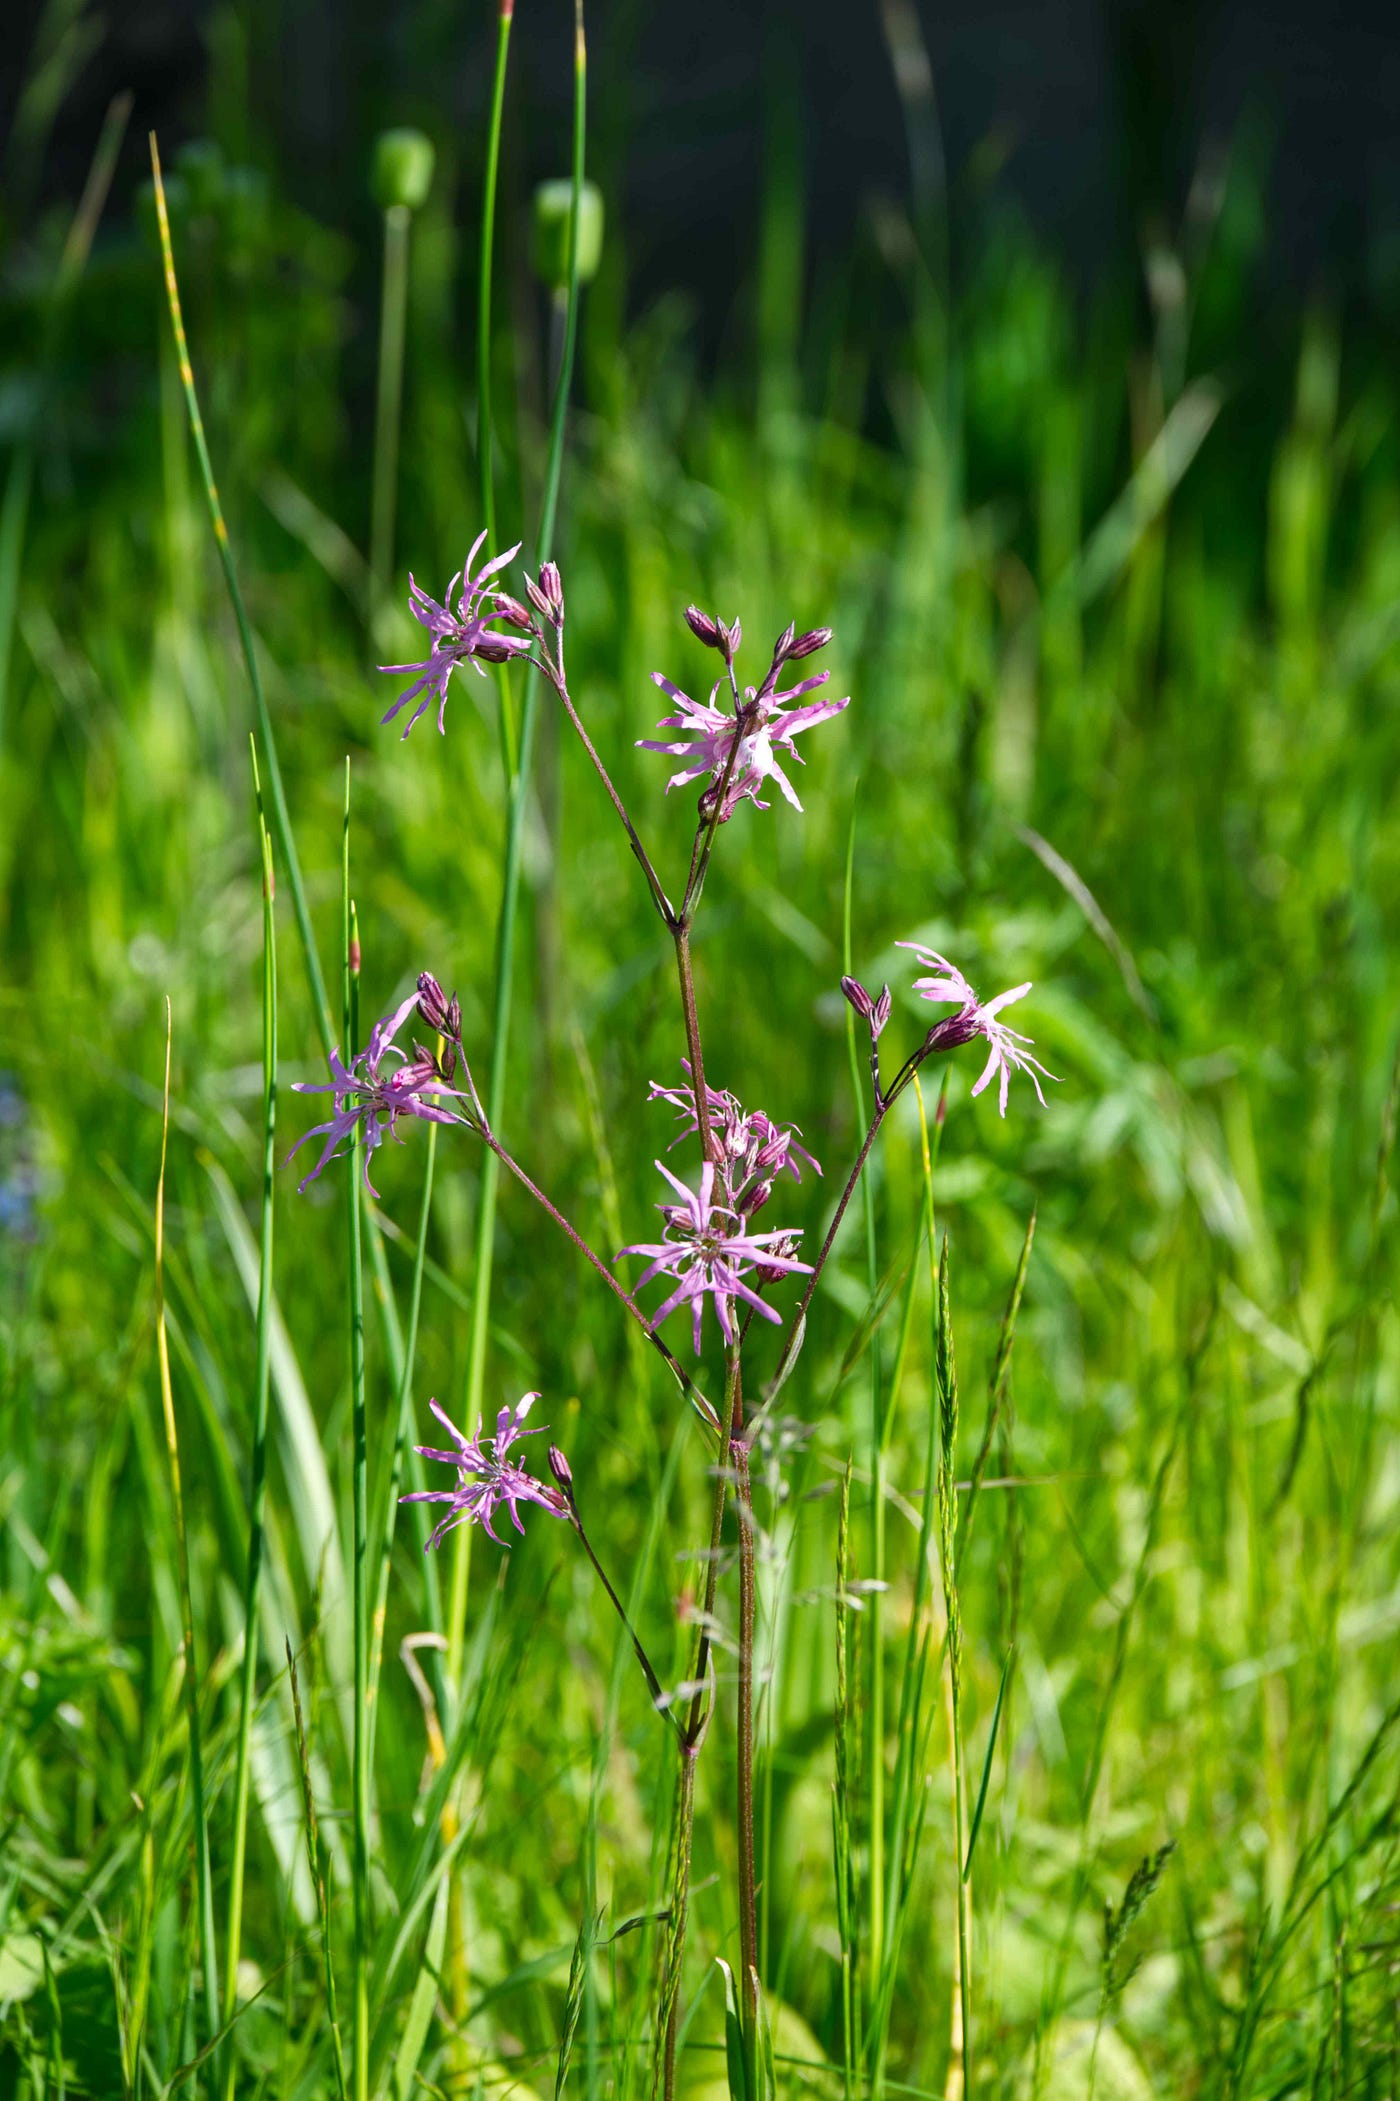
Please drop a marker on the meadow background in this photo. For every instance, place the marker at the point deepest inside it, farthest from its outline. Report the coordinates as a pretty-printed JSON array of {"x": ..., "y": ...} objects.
[{"x": 1112, "y": 556}]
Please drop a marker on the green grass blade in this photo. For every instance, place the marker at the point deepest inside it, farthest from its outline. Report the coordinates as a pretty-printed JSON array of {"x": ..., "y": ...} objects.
[
  {"x": 204, "y": 1881},
  {"x": 261, "y": 1387},
  {"x": 976, "y": 1824},
  {"x": 997, "y": 1389},
  {"x": 359, "y": 2073}
]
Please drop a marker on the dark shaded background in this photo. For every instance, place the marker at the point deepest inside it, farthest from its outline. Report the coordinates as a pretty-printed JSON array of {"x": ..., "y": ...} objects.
[{"x": 1093, "y": 118}]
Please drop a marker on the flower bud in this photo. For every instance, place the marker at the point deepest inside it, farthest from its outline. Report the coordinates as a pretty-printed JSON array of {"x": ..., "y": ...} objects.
[
  {"x": 783, "y": 646},
  {"x": 453, "y": 1030},
  {"x": 432, "y": 1002},
  {"x": 561, "y": 1470},
  {"x": 806, "y": 645},
  {"x": 703, "y": 628},
  {"x": 859, "y": 998},
  {"x": 880, "y": 1014},
  {"x": 512, "y": 610},
  {"x": 730, "y": 638},
  {"x": 403, "y": 169},
  {"x": 553, "y": 211},
  {"x": 552, "y": 587}
]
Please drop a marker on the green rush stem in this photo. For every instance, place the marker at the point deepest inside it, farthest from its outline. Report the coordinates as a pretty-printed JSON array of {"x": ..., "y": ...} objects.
[
  {"x": 277, "y": 795},
  {"x": 483, "y": 282},
  {"x": 204, "y": 1885},
  {"x": 360, "y": 1439},
  {"x": 261, "y": 1383},
  {"x": 668, "y": 2016},
  {"x": 876, "y": 1759},
  {"x": 388, "y": 413},
  {"x": 484, "y": 423},
  {"x": 403, "y": 1438},
  {"x": 510, "y": 892}
]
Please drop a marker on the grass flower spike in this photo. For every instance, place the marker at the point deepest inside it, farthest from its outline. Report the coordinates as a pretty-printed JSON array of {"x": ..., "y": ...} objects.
[
  {"x": 1009, "y": 1050},
  {"x": 707, "y": 1248},
  {"x": 465, "y": 636},
  {"x": 488, "y": 1480},
  {"x": 374, "y": 1098}
]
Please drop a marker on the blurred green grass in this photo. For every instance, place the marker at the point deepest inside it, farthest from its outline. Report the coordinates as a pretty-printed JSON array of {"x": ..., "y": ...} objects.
[{"x": 1096, "y": 577}]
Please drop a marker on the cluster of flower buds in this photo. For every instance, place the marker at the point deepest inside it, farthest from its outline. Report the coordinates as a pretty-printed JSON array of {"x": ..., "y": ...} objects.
[
  {"x": 875, "y": 1012},
  {"x": 547, "y": 596},
  {"x": 754, "y": 1150},
  {"x": 715, "y": 634},
  {"x": 789, "y": 647},
  {"x": 444, "y": 1017}
]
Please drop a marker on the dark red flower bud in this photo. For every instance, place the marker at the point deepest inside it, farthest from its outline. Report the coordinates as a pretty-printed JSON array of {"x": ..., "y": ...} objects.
[
  {"x": 858, "y": 996},
  {"x": 552, "y": 586},
  {"x": 783, "y": 646},
  {"x": 703, "y": 627},
  {"x": 806, "y": 645},
  {"x": 730, "y": 639},
  {"x": 432, "y": 1002},
  {"x": 560, "y": 1468},
  {"x": 880, "y": 1014},
  {"x": 512, "y": 610}
]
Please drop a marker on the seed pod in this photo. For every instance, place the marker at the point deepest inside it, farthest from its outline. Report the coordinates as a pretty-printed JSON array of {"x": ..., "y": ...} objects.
[
  {"x": 403, "y": 169},
  {"x": 553, "y": 209}
]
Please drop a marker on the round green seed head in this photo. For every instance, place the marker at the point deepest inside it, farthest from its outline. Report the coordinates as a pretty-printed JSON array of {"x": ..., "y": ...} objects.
[
  {"x": 550, "y": 246},
  {"x": 403, "y": 168}
]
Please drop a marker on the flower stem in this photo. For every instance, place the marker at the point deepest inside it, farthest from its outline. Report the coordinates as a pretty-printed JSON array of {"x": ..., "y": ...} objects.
[
  {"x": 833, "y": 1229},
  {"x": 708, "y": 1141},
  {"x": 555, "y": 674},
  {"x": 261, "y": 1382},
  {"x": 654, "y": 1686},
  {"x": 618, "y": 1290},
  {"x": 663, "y": 2085}
]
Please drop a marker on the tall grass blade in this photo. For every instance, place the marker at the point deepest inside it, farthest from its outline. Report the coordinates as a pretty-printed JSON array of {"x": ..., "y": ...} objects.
[
  {"x": 1001, "y": 1368},
  {"x": 262, "y": 1381},
  {"x": 204, "y": 1881},
  {"x": 360, "y": 1503},
  {"x": 318, "y": 1877}
]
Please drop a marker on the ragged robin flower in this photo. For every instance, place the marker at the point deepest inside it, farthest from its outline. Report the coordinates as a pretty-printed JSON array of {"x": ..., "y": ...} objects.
[
  {"x": 488, "y": 1479},
  {"x": 463, "y": 636},
  {"x": 708, "y": 1248},
  {"x": 374, "y": 1093},
  {"x": 1009, "y": 1050},
  {"x": 757, "y": 732}
]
